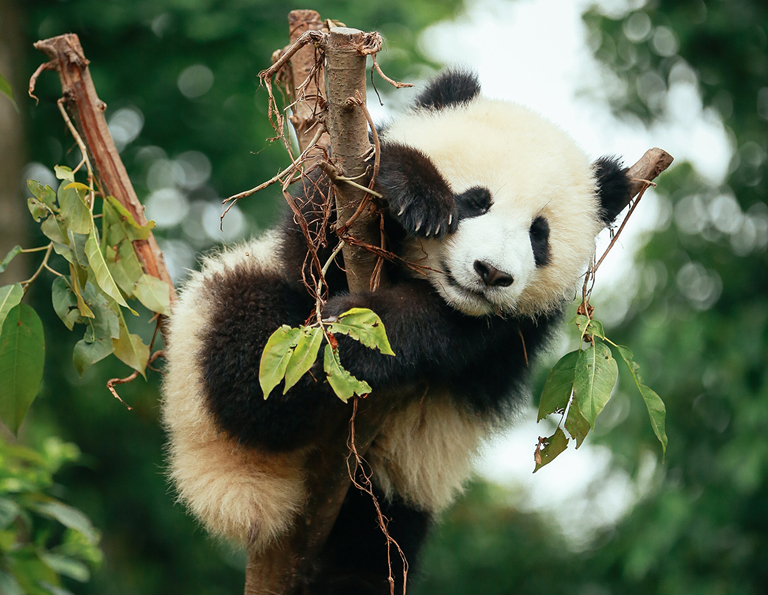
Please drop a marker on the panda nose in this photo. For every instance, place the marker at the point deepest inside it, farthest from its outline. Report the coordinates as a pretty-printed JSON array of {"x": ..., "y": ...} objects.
[{"x": 492, "y": 276}]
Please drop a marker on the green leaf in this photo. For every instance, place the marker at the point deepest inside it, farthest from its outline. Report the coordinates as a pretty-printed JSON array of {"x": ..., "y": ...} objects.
[
  {"x": 558, "y": 387},
  {"x": 9, "y": 257},
  {"x": 10, "y": 295},
  {"x": 365, "y": 326},
  {"x": 100, "y": 271},
  {"x": 656, "y": 408},
  {"x": 45, "y": 194},
  {"x": 118, "y": 249},
  {"x": 37, "y": 209},
  {"x": 74, "y": 210},
  {"x": 627, "y": 355},
  {"x": 65, "y": 302},
  {"x": 553, "y": 446},
  {"x": 130, "y": 349},
  {"x": 55, "y": 230},
  {"x": 576, "y": 424},
  {"x": 97, "y": 343},
  {"x": 342, "y": 382},
  {"x": 304, "y": 355},
  {"x": 69, "y": 517},
  {"x": 65, "y": 565},
  {"x": 658, "y": 413},
  {"x": 7, "y": 90},
  {"x": 153, "y": 293},
  {"x": 122, "y": 218},
  {"x": 595, "y": 327},
  {"x": 277, "y": 354},
  {"x": 22, "y": 354},
  {"x": 596, "y": 373},
  {"x": 64, "y": 173},
  {"x": 75, "y": 286}
]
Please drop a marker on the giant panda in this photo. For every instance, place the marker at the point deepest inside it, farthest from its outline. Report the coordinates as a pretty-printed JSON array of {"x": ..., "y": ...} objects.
[{"x": 500, "y": 209}]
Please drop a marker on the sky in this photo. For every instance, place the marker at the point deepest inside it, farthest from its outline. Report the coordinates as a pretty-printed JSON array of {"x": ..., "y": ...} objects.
[{"x": 536, "y": 52}]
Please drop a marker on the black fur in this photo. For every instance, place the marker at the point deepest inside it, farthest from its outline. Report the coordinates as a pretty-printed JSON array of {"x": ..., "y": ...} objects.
[
  {"x": 612, "y": 186},
  {"x": 539, "y": 233},
  {"x": 452, "y": 87},
  {"x": 418, "y": 196},
  {"x": 354, "y": 559},
  {"x": 473, "y": 202}
]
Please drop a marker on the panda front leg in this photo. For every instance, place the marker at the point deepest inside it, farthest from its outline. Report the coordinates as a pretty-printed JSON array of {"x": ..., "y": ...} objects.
[{"x": 424, "y": 332}]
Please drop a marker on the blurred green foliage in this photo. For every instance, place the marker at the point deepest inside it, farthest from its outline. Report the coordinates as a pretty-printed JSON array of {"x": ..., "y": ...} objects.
[
  {"x": 698, "y": 327},
  {"x": 41, "y": 538}
]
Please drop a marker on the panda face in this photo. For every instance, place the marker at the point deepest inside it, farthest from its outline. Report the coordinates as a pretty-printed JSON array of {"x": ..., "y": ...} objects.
[{"x": 527, "y": 203}]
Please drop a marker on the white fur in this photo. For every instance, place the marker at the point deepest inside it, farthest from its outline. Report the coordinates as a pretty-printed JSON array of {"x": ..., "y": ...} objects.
[
  {"x": 236, "y": 493},
  {"x": 531, "y": 168}
]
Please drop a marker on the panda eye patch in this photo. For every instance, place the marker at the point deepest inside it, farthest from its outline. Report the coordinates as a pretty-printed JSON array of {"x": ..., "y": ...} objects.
[
  {"x": 539, "y": 234},
  {"x": 473, "y": 202}
]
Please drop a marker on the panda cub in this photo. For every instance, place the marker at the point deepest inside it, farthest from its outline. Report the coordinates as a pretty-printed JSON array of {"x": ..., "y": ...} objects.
[{"x": 499, "y": 210}]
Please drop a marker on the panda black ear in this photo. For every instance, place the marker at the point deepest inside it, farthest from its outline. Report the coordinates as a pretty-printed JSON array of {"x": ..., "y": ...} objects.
[
  {"x": 613, "y": 187},
  {"x": 452, "y": 87}
]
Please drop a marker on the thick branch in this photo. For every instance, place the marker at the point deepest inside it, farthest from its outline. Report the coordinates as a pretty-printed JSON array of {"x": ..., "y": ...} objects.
[
  {"x": 87, "y": 112},
  {"x": 647, "y": 169},
  {"x": 348, "y": 127},
  {"x": 308, "y": 97}
]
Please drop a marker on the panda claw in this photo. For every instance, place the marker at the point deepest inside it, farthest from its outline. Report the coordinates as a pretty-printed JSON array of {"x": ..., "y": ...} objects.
[
  {"x": 401, "y": 211},
  {"x": 437, "y": 230},
  {"x": 450, "y": 219},
  {"x": 418, "y": 226}
]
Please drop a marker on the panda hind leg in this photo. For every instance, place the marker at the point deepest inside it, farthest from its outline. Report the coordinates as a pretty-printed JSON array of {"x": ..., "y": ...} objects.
[{"x": 354, "y": 559}]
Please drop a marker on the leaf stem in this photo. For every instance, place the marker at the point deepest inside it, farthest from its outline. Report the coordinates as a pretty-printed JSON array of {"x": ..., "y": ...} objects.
[{"x": 42, "y": 266}]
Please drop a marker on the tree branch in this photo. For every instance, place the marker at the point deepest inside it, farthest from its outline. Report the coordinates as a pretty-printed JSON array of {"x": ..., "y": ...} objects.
[{"x": 87, "y": 112}]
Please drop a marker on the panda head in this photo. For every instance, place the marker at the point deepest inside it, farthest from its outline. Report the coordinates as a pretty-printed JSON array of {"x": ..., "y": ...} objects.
[{"x": 527, "y": 202}]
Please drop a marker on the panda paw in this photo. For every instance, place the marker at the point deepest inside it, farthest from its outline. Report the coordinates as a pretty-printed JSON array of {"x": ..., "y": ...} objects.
[{"x": 426, "y": 214}]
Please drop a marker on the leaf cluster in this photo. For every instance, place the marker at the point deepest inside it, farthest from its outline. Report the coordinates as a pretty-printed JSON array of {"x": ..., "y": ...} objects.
[
  {"x": 292, "y": 352},
  {"x": 103, "y": 271},
  {"x": 579, "y": 386},
  {"x": 41, "y": 538}
]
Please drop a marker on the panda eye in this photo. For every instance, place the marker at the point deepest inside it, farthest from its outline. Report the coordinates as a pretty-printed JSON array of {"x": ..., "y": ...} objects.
[
  {"x": 473, "y": 202},
  {"x": 539, "y": 234}
]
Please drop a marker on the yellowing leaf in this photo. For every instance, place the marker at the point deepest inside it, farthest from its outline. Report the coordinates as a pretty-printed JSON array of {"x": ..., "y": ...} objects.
[
  {"x": 22, "y": 354},
  {"x": 45, "y": 194},
  {"x": 595, "y": 375},
  {"x": 304, "y": 355},
  {"x": 100, "y": 271},
  {"x": 277, "y": 353},
  {"x": 130, "y": 349},
  {"x": 365, "y": 326},
  {"x": 153, "y": 293},
  {"x": 342, "y": 382},
  {"x": 125, "y": 221}
]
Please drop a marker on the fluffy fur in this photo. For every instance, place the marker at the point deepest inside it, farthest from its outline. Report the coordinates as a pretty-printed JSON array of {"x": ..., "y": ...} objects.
[{"x": 500, "y": 210}]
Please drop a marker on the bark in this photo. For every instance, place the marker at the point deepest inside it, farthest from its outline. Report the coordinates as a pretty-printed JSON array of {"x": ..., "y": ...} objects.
[
  {"x": 647, "y": 169},
  {"x": 280, "y": 568},
  {"x": 348, "y": 127},
  {"x": 310, "y": 99},
  {"x": 87, "y": 113}
]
